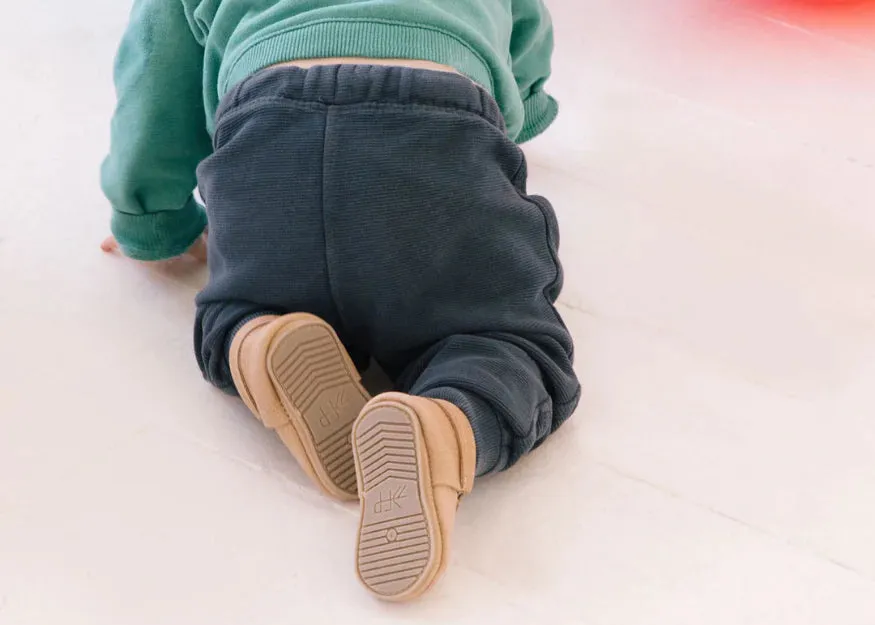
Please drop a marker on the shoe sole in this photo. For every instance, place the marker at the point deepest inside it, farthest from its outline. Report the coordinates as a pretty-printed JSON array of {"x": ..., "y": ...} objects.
[
  {"x": 321, "y": 392},
  {"x": 399, "y": 542}
]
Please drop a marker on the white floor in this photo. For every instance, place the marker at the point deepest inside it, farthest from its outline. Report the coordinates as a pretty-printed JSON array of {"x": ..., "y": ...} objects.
[{"x": 714, "y": 173}]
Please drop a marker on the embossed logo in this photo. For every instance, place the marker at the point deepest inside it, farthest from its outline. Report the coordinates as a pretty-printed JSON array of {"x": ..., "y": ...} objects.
[
  {"x": 331, "y": 411},
  {"x": 390, "y": 499}
]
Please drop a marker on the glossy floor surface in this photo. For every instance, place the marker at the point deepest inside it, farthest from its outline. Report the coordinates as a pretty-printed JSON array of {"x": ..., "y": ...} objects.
[{"x": 714, "y": 173}]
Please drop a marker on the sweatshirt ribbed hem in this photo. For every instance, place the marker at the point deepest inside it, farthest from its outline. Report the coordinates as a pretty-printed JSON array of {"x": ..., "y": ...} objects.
[
  {"x": 358, "y": 38},
  {"x": 541, "y": 110},
  {"x": 158, "y": 236}
]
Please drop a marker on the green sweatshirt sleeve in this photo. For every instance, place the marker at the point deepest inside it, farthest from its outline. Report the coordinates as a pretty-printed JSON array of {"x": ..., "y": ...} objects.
[
  {"x": 531, "y": 47},
  {"x": 158, "y": 134}
]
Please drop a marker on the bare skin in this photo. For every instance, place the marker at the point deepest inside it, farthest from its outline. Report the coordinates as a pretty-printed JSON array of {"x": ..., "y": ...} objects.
[
  {"x": 354, "y": 60},
  {"x": 197, "y": 252}
]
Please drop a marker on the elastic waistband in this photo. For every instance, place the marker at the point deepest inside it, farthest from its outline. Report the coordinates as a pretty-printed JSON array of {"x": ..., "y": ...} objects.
[{"x": 341, "y": 85}]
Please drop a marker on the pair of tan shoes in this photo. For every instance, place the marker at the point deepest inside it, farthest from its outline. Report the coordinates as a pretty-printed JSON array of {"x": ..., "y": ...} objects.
[{"x": 408, "y": 459}]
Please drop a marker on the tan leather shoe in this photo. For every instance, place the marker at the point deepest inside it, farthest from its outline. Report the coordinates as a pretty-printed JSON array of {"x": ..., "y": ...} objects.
[
  {"x": 296, "y": 377},
  {"x": 414, "y": 459}
]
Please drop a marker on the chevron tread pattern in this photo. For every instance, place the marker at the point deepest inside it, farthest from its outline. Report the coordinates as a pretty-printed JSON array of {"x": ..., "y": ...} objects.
[
  {"x": 311, "y": 371},
  {"x": 395, "y": 545}
]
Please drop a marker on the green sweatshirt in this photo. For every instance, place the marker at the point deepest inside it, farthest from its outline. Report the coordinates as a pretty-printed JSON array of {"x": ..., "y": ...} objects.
[{"x": 179, "y": 57}]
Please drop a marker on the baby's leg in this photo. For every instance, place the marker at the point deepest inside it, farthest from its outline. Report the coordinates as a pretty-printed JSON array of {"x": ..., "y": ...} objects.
[
  {"x": 476, "y": 403},
  {"x": 515, "y": 389},
  {"x": 454, "y": 284},
  {"x": 267, "y": 259}
]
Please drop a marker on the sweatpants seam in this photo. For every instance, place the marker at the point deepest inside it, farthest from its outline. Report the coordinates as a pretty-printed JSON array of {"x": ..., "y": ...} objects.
[
  {"x": 332, "y": 286},
  {"x": 540, "y": 410},
  {"x": 514, "y": 180},
  {"x": 554, "y": 255},
  {"x": 322, "y": 202},
  {"x": 518, "y": 178}
]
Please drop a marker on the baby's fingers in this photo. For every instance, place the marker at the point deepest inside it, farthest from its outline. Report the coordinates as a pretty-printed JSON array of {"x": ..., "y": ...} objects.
[
  {"x": 198, "y": 250},
  {"x": 109, "y": 244}
]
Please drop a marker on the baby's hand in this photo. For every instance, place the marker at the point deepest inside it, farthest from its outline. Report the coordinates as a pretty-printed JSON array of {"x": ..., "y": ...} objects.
[{"x": 197, "y": 251}]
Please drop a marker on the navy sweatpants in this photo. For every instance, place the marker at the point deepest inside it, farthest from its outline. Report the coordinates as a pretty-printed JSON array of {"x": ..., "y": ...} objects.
[{"x": 390, "y": 202}]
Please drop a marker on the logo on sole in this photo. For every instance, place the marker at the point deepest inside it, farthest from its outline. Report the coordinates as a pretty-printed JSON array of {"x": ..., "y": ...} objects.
[
  {"x": 390, "y": 499},
  {"x": 332, "y": 410}
]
